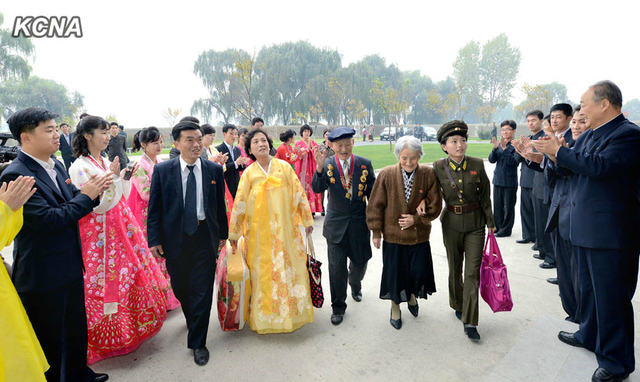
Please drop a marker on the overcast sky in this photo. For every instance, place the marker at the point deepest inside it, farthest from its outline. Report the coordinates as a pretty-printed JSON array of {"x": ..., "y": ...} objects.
[{"x": 136, "y": 59}]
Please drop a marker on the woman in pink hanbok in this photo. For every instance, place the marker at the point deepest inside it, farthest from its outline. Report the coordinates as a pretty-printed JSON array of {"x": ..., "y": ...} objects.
[
  {"x": 124, "y": 287},
  {"x": 306, "y": 166},
  {"x": 150, "y": 141}
]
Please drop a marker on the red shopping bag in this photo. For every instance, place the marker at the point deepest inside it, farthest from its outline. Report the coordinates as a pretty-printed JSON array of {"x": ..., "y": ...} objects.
[
  {"x": 494, "y": 285},
  {"x": 233, "y": 287}
]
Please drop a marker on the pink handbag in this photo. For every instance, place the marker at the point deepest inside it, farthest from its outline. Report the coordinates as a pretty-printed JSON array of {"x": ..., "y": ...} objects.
[{"x": 494, "y": 285}]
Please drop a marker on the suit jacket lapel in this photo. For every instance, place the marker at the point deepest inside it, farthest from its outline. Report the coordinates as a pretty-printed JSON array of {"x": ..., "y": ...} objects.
[
  {"x": 355, "y": 178},
  {"x": 177, "y": 177},
  {"x": 41, "y": 174},
  {"x": 60, "y": 177}
]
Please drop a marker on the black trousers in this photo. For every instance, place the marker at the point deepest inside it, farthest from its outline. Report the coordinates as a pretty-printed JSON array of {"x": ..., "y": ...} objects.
[
  {"x": 526, "y": 214},
  {"x": 504, "y": 208},
  {"x": 59, "y": 319},
  {"x": 608, "y": 279},
  {"x": 541, "y": 213},
  {"x": 192, "y": 276},
  {"x": 567, "y": 275},
  {"x": 351, "y": 247}
]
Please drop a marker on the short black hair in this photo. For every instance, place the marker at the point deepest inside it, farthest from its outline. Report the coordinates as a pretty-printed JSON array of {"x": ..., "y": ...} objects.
[
  {"x": 146, "y": 135},
  {"x": 509, "y": 122},
  {"x": 26, "y": 120},
  {"x": 227, "y": 127},
  {"x": 306, "y": 127},
  {"x": 535, "y": 113},
  {"x": 83, "y": 115},
  {"x": 286, "y": 135},
  {"x": 577, "y": 110},
  {"x": 182, "y": 126},
  {"x": 607, "y": 90},
  {"x": 114, "y": 123},
  {"x": 87, "y": 125},
  {"x": 190, "y": 118},
  {"x": 329, "y": 130},
  {"x": 547, "y": 118},
  {"x": 207, "y": 129},
  {"x": 121, "y": 127},
  {"x": 256, "y": 120},
  {"x": 249, "y": 137},
  {"x": 63, "y": 124},
  {"x": 565, "y": 108},
  {"x": 242, "y": 130}
]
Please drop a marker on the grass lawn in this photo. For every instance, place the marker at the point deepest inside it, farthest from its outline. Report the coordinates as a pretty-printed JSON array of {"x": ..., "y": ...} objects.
[{"x": 381, "y": 156}]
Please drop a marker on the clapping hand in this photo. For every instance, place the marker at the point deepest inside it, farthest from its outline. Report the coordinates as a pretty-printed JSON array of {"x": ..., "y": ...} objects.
[
  {"x": 17, "y": 192},
  {"x": 114, "y": 167},
  {"x": 494, "y": 142},
  {"x": 96, "y": 185}
]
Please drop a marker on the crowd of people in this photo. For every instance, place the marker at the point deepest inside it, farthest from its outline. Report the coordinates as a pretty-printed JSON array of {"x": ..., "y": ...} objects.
[{"x": 98, "y": 263}]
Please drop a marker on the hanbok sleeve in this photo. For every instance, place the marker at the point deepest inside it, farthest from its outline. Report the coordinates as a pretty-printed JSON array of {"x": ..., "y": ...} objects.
[
  {"x": 142, "y": 181},
  {"x": 11, "y": 224},
  {"x": 238, "y": 221},
  {"x": 81, "y": 171}
]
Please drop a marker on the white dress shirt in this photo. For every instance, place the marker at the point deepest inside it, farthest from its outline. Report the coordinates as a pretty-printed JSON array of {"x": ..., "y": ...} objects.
[
  {"x": 49, "y": 167},
  {"x": 197, "y": 171}
]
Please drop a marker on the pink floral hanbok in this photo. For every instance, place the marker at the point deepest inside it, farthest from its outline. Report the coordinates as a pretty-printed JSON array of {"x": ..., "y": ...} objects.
[{"x": 305, "y": 167}]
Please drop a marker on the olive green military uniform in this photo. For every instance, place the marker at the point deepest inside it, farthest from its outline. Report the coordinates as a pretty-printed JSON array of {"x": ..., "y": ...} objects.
[{"x": 463, "y": 230}]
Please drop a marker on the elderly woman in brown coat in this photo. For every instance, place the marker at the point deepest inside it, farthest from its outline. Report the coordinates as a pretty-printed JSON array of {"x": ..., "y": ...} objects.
[{"x": 407, "y": 270}]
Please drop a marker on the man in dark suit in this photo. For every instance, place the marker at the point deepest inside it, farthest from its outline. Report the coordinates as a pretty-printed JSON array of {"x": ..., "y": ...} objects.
[
  {"x": 66, "y": 145},
  {"x": 505, "y": 179},
  {"x": 47, "y": 266},
  {"x": 123, "y": 134},
  {"x": 349, "y": 179},
  {"x": 115, "y": 148},
  {"x": 605, "y": 215},
  {"x": 188, "y": 234},
  {"x": 235, "y": 162},
  {"x": 527, "y": 218}
]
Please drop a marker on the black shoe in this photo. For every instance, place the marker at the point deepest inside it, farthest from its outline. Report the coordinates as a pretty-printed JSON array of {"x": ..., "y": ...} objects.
[
  {"x": 322, "y": 213},
  {"x": 413, "y": 309},
  {"x": 524, "y": 241},
  {"x": 357, "y": 296},
  {"x": 396, "y": 323},
  {"x": 336, "y": 318},
  {"x": 569, "y": 339},
  {"x": 472, "y": 333},
  {"x": 500, "y": 234},
  {"x": 538, "y": 256},
  {"x": 101, "y": 378},
  {"x": 546, "y": 265},
  {"x": 459, "y": 315},
  {"x": 535, "y": 247},
  {"x": 553, "y": 280},
  {"x": 201, "y": 356},
  {"x": 602, "y": 375}
]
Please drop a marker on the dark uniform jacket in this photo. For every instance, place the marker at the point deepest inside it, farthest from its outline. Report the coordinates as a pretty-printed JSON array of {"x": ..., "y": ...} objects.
[
  {"x": 506, "y": 171},
  {"x": 342, "y": 212},
  {"x": 66, "y": 149},
  {"x": 560, "y": 208},
  {"x": 472, "y": 180}
]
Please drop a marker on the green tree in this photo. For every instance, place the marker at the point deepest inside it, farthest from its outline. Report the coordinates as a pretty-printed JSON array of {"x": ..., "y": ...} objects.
[
  {"x": 633, "y": 108},
  {"x": 466, "y": 74},
  {"x": 14, "y": 54},
  {"x": 499, "y": 67},
  {"x": 537, "y": 97},
  {"x": 392, "y": 100},
  {"x": 170, "y": 115}
]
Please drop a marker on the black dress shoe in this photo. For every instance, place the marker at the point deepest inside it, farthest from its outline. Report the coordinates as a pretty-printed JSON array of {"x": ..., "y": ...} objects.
[
  {"x": 459, "y": 315},
  {"x": 201, "y": 356},
  {"x": 569, "y": 339},
  {"x": 602, "y": 375},
  {"x": 357, "y": 296},
  {"x": 336, "y": 318},
  {"x": 535, "y": 247},
  {"x": 472, "y": 333},
  {"x": 413, "y": 309},
  {"x": 524, "y": 241},
  {"x": 546, "y": 265},
  {"x": 396, "y": 323},
  {"x": 538, "y": 256},
  {"x": 553, "y": 280},
  {"x": 500, "y": 234},
  {"x": 101, "y": 377}
]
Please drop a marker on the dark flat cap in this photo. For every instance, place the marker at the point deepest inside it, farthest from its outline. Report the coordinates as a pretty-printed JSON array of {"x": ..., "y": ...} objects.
[
  {"x": 455, "y": 127},
  {"x": 341, "y": 133}
]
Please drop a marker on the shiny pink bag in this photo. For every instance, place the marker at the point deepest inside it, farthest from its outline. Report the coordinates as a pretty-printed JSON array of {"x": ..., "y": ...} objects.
[{"x": 494, "y": 285}]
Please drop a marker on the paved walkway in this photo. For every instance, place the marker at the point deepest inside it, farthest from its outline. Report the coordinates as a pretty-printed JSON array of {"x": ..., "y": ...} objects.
[{"x": 520, "y": 345}]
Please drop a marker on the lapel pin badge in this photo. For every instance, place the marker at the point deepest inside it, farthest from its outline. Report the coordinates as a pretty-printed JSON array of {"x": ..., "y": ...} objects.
[{"x": 68, "y": 181}]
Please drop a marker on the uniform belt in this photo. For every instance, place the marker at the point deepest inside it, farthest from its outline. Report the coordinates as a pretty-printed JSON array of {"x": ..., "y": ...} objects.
[{"x": 460, "y": 209}]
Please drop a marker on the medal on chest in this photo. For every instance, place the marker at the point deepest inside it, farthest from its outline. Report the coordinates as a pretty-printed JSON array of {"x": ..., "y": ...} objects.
[{"x": 343, "y": 179}]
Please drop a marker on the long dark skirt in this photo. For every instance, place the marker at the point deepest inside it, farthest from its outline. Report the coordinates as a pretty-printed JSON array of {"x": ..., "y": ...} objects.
[{"x": 406, "y": 270}]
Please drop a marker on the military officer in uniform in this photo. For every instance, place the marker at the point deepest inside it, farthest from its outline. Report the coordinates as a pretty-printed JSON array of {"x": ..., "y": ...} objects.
[
  {"x": 349, "y": 179},
  {"x": 466, "y": 191}
]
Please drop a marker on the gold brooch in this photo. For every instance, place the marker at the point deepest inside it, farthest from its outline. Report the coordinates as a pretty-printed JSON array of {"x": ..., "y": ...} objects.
[
  {"x": 365, "y": 172},
  {"x": 333, "y": 180},
  {"x": 348, "y": 195},
  {"x": 360, "y": 187},
  {"x": 363, "y": 179},
  {"x": 330, "y": 167},
  {"x": 330, "y": 173},
  {"x": 359, "y": 193}
]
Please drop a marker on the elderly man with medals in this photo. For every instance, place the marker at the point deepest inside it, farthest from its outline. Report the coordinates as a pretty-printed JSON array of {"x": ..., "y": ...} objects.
[{"x": 349, "y": 179}]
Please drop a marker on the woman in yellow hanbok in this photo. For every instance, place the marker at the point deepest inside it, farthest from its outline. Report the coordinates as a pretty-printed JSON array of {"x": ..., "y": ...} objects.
[
  {"x": 268, "y": 210},
  {"x": 21, "y": 357}
]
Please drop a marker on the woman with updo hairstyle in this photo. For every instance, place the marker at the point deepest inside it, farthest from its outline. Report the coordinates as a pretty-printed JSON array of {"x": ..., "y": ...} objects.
[
  {"x": 306, "y": 166},
  {"x": 123, "y": 284},
  {"x": 150, "y": 141},
  {"x": 285, "y": 152}
]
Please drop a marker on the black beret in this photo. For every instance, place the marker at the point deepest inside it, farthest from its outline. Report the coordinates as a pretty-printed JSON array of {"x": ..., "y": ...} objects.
[
  {"x": 455, "y": 127},
  {"x": 341, "y": 133}
]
